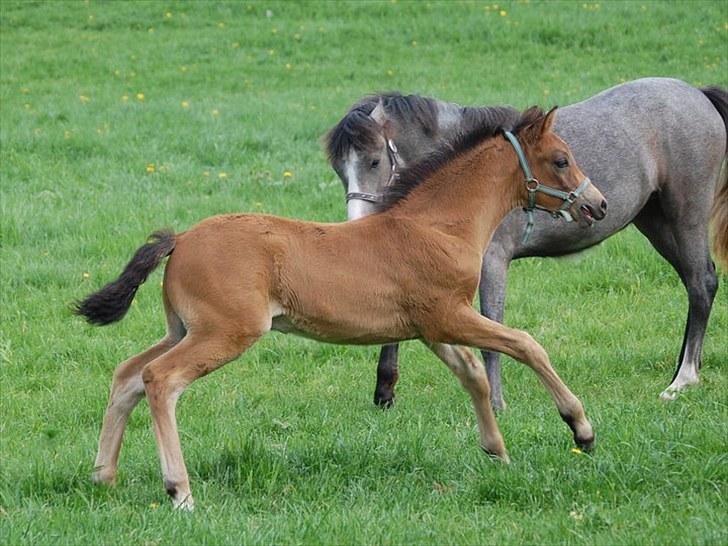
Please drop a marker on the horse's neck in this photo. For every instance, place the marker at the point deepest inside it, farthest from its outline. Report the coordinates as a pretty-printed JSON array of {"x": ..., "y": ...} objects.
[
  {"x": 453, "y": 121},
  {"x": 469, "y": 196}
]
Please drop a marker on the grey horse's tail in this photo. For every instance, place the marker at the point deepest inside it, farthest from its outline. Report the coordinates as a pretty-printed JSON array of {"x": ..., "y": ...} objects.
[
  {"x": 719, "y": 214},
  {"x": 113, "y": 301}
]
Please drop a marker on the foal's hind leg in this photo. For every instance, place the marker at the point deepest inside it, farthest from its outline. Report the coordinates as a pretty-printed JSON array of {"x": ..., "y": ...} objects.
[
  {"x": 684, "y": 244},
  {"x": 470, "y": 328},
  {"x": 465, "y": 365},
  {"x": 127, "y": 389},
  {"x": 164, "y": 380}
]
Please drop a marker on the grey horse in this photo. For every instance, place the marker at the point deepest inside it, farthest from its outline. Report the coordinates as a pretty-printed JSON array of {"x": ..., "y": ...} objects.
[{"x": 654, "y": 146}]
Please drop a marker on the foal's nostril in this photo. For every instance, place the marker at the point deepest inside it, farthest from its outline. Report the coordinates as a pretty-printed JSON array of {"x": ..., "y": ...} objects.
[{"x": 603, "y": 205}]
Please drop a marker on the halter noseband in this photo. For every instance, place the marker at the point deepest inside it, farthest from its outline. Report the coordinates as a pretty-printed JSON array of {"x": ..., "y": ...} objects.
[
  {"x": 533, "y": 187},
  {"x": 394, "y": 160}
]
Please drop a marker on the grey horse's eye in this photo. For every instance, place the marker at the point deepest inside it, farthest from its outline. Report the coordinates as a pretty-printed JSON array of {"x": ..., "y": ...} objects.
[
  {"x": 375, "y": 164},
  {"x": 561, "y": 163}
]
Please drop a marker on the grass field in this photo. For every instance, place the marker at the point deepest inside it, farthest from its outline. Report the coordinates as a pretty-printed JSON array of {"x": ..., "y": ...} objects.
[{"x": 119, "y": 118}]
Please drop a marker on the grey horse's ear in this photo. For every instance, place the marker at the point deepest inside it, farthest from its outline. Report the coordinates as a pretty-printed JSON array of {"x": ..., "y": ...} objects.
[{"x": 378, "y": 114}]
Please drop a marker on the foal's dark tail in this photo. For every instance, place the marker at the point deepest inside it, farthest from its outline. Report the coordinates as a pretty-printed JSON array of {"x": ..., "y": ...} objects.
[
  {"x": 113, "y": 301},
  {"x": 719, "y": 215}
]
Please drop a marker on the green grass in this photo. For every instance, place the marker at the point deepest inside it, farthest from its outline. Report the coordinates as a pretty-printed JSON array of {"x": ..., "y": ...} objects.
[{"x": 284, "y": 445}]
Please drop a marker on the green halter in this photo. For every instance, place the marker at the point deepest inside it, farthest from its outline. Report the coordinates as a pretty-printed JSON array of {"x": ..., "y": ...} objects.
[{"x": 534, "y": 186}]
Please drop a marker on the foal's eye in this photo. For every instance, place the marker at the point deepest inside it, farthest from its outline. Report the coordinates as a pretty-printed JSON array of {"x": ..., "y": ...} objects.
[
  {"x": 561, "y": 163},
  {"x": 375, "y": 163}
]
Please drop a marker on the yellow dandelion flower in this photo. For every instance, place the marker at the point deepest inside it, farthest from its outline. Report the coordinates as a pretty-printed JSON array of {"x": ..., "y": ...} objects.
[
  {"x": 151, "y": 168},
  {"x": 390, "y": 73},
  {"x": 502, "y": 13},
  {"x": 221, "y": 25},
  {"x": 288, "y": 66},
  {"x": 577, "y": 451},
  {"x": 140, "y": 97},
  {"x": 222, "y": 174},
  {"x": 287, "y": 174},
  {"x": 150, "y": 30},
  {"x": 296, "y": 36},
  {"x": 26, "y": 106},
  {"x": 67, "y": 134},
  {"x": 215, "y": 112},
  {"x": 206, "y": 173},
  {"x": 274, "y": 31},
  {"x": 258, "y": 204},
  {"x": 183, "y": 68},
  {"x": 25, "y": 90},
  {"x": 83, "y": 98},
  {"x": 86, "y": 275},
  {"x": 185, "y": 104},
  {"x": 168, "y": 15},
  {"x": 414, "y": 43},
  {"x": 125, "y": 98}
]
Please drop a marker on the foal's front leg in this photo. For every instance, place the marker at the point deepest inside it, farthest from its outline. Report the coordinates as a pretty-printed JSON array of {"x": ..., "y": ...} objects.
[
  {"x": 470, "y": 328},
  {"x": 468, "y": 369}
]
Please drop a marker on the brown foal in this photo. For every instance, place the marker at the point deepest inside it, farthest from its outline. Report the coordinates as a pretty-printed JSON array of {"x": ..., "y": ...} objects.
[{"x": 233, "y": 278}]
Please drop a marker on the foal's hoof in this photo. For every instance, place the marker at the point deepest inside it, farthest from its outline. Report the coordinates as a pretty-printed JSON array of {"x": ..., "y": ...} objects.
[
  {"x": 101, "y": 476},
  {"x": 585, "y": 444},
  {"x": 186, "y": 504},
  {"x": 500, "y": 457}
]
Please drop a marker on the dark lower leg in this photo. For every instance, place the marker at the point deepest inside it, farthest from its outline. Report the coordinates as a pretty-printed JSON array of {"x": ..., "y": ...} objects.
[{"x": 387, "y": 376}]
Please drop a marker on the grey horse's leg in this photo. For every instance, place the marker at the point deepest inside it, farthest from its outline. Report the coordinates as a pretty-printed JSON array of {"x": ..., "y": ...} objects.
[
  {"x": 685, "y": 246},
  {"x": 387, "y": 376},
  {"x": 492, "y": 291}
]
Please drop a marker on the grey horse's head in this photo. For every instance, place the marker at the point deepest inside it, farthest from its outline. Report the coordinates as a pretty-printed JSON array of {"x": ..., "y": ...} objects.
[{"x": 362, "y": 149}]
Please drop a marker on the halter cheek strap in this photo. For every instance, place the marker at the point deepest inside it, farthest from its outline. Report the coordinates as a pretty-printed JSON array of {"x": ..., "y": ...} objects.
[
  {"x": 533, "y": 187},
  {"x": 394, "y": 161}
]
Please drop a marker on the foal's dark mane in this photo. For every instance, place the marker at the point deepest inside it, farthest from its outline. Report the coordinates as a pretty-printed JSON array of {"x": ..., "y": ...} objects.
[{"x": 499, "y": 119}]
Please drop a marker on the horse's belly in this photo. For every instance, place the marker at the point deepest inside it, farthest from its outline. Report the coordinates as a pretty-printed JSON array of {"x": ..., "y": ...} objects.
[{"x": 341, "y": 331}]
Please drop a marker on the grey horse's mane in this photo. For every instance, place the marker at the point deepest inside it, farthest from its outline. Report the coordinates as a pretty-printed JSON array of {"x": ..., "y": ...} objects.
[
  {"x": 494, "y": 120},
  {"x": 358, "y": 131}
]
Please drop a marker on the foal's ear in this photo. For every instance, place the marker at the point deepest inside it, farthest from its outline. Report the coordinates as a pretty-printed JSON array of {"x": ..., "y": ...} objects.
[
  {"x": 548, "y": 121},
  {"x": 544, "y": 124}
]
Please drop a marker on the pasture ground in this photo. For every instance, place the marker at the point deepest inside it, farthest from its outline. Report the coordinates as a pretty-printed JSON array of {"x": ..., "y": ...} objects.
[{"x": 121, "y": 118}]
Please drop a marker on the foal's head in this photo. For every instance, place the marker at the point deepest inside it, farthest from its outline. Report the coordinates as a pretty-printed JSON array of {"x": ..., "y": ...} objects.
[{"x": 553, "y": 167}]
